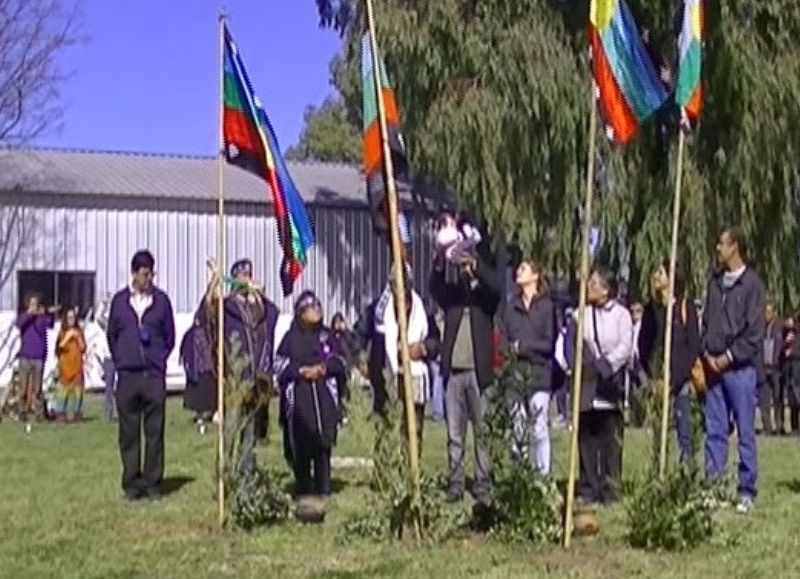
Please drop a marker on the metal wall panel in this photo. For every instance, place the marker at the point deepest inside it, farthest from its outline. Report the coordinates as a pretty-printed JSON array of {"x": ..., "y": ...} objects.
[{"x": 347, "y": 269}]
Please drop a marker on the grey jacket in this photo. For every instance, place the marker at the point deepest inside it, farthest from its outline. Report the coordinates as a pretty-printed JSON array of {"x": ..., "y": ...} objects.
[
  {"x": 531, "y": 334},
  {"x": 734, "y": 319}
]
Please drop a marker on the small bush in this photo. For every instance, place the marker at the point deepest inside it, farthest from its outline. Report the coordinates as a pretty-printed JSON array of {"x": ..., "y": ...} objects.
[
  {"x": 674, "y": 514},
  {"x": 258, "y": 499},
  {"x": 526, "y": 506}
]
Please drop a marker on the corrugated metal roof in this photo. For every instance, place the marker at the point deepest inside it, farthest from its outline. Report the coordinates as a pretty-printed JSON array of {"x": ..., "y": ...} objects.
[{"x": 44, "y": 170}]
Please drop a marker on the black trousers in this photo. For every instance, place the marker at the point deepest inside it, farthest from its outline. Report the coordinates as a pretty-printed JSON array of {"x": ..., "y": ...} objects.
[
  {"x": 140, "y": 403},
  {"x": 771, "y": 396},
  {"x": 307, "y": 454},
  {"x": 600, "y": 439}
]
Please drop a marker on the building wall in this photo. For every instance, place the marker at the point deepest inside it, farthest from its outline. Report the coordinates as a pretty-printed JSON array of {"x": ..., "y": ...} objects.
[{"x": 347, "y": 268}]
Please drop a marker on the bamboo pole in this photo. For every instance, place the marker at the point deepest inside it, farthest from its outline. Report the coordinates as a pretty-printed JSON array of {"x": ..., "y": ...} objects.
[
  {"x": 670, "y": 309},
  {"x": 577, "y": 375},
  {"x": 399, "y": 265},
  {"x": 220, "y": 296}
]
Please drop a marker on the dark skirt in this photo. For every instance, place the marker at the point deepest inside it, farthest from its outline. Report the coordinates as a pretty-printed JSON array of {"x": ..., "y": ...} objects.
[{"x": 201, "y": 396}]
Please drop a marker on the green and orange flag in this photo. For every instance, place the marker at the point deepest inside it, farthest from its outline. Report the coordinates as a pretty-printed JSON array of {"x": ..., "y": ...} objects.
[
  {"x": 689, "y": 89},
  {"x": 374, "y": 167}
]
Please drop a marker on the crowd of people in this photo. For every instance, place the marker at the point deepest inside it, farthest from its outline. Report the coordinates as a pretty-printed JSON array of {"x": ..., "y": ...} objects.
[{"x": 733, "y": 355}]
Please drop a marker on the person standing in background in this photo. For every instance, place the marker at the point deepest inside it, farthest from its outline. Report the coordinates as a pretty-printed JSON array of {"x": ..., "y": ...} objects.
[
  {"x": 70, "y": 349},
  {"x": 33, "y": 325},
  {"x": 770, "y": 390},
  {"x": 790, "y": 363},
  {"x": 141, "y": 335},
  {"x": 107, "y": 364}
]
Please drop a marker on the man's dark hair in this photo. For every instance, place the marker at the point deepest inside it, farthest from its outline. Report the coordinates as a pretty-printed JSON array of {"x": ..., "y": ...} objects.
[
  {"x": 142, "y": 258},
  {"x": 736, "y": 235}
]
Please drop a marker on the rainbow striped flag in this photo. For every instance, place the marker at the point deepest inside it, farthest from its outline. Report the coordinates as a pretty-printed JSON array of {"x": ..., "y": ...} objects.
[
  {"x": 250, "y": 143},
  {"x": 628, "y": 87},
  {"x": 374, "y": 169},
  {"x": 689, "y": 90}
]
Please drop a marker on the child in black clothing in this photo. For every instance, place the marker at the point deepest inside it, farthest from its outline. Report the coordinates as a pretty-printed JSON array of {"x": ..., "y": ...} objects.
[{"x": 310, "y": 384}]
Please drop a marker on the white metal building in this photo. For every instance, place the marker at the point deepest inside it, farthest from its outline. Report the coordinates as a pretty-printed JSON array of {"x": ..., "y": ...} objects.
[{"x": 71, "y": 220}]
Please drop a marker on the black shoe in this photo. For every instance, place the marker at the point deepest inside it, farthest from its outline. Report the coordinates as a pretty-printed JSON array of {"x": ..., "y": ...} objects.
[
  {"x": 154, "y": 494},
  {"x": 133, "y": 495},
  {"x": 453, "y": 496}
]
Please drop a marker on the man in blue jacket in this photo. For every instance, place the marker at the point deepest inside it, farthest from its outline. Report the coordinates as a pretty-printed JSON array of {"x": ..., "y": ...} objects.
[
  {"x": 141, "y": 335},
  {"x": 732, "y": 343}
]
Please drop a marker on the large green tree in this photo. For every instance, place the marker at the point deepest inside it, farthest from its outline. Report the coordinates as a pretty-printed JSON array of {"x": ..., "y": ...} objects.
[
  {"x": 495, "y": 102},
  {"x": 327, "y": 135}
]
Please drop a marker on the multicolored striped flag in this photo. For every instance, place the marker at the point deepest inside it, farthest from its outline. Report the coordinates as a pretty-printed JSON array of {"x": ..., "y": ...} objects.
[
  {"x": 628, "y": 87},
  {"x": 689, "y": 90},
  {"x": 250, "y": 143},
  {"x": 374, "y": 168}
]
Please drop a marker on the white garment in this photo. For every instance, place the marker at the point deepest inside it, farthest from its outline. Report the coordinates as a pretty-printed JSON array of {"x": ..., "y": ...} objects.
[
  {"x": 614, "y": 328},
  {"x": 140, "y": 302},
  {"x": 561, "y": 350},
  {"x": 417, "y": 332},
  {"x": 531, "y": 431}
]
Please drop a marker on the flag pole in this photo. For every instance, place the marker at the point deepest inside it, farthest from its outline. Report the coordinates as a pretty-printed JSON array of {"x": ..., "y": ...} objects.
[
  {"x": 577, "y": 374},
  {"x": 673, "y": 258},
  {"x": 399, "y": 265},
  {"x": 221, "y": 269}
]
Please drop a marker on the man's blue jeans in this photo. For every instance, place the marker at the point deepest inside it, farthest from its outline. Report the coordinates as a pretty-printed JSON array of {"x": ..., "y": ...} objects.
[{"x": 734, "y": 395}]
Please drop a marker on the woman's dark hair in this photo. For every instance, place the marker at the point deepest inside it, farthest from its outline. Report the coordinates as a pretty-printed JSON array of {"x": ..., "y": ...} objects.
[
  {"x": 142, "y": 259},
  {"x": 337, "y": 317},
  {"x": 607, "y": 279},
  {"x": 680, "y": 278},
  {"x": 536, "y": 267}
]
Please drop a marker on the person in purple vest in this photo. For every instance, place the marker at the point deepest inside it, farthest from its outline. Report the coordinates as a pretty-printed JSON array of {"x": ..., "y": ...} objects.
[
  {"x": 141, "y": 335},
  {"x": 32, "y": 324}
]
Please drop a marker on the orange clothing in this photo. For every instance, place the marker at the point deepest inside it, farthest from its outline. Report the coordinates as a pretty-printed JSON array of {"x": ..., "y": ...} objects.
[{"x": 70, "y": 359}]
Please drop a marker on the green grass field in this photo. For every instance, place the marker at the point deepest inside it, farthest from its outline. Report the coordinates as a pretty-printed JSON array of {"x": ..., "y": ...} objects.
[{"x": 62, "y": 515}]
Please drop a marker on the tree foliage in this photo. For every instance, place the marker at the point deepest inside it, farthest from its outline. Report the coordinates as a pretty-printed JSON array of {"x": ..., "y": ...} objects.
[
  {"x": 495, "y": 102},
  {"x": 327, "y": 135},
  {"x": 33, "y": 34}
]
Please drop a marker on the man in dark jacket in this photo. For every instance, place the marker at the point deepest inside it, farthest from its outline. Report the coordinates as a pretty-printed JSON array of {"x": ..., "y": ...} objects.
[
  {"x": 469, "y": 297},
  {"x": 250, "y": 320},
  {"x": 141, "y": 335},
  {"x": 732, "y": 344},
  {"x": 770, "y": 388}
]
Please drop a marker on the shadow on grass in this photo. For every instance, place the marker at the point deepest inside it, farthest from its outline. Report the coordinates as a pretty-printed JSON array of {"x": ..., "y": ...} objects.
[
  {"x": 792, "y": 486},
  {"x": 385, "y": 568},
  {"x": 174, "y": 484}
]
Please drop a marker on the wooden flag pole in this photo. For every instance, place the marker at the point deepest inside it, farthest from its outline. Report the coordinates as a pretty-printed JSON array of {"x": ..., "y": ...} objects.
[
  {"x": 577, "y": 375},
  {"x": 220, "y": 296},
  {"x": 399, "y": 265},
  {"x": 673, "y": 258}
]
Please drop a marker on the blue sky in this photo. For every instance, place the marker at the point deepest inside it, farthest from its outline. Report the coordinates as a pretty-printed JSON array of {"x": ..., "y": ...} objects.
[{"x": 146, "y": 78}]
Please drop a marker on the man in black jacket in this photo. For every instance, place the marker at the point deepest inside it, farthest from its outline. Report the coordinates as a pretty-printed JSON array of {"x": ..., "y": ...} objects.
[
  {"x": 469, "y": 294},
  {"x": 732, "y": 344},
  {"x": 141, "y": 335}
]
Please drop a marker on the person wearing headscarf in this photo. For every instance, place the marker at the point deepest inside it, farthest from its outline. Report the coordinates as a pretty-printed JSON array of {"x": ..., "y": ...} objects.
[
  {"x": 200, "y": 394},
  {"x": 250, "y": 320},
  {"x": 310, "y": 376}
]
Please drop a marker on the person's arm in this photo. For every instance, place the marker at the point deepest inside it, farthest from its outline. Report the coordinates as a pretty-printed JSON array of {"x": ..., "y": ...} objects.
[
  {"x": 433, "y": 342},
  {"x": 693, "y": 331},
  {"x": 648, "y": 333},
  {"x": 65, "y": 338},
  {"x": 748, "y": 343},
  {"x": 114, "y": 327},
  {"x": 487, "y": 274},
  {"x": 169, "y": 327},
  {"x": 508, "y": 343},
  {"x": 24, "y": 320}
]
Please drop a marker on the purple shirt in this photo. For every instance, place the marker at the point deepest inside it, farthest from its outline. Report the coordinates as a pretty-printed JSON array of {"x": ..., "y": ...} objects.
[{"x": 33, "y": 329}]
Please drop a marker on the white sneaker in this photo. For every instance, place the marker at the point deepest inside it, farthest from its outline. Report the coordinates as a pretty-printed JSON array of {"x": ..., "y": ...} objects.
[{"x": 745, "y": 506}]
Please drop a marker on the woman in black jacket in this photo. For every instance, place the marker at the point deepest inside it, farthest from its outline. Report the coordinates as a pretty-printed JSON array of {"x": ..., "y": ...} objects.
[
  {"x": 685, "y": 349},
  {"x": 529, "y": 333},
  {"x": 310, "y": 380}
]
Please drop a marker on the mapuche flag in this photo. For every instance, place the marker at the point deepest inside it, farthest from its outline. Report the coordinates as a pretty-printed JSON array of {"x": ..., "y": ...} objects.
[
  {"x": 374, "y": 167},
  {"x": 628, "y": 87},
  {"x": 250, "y": 143},
  {"x": 689, "y": 90}
]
